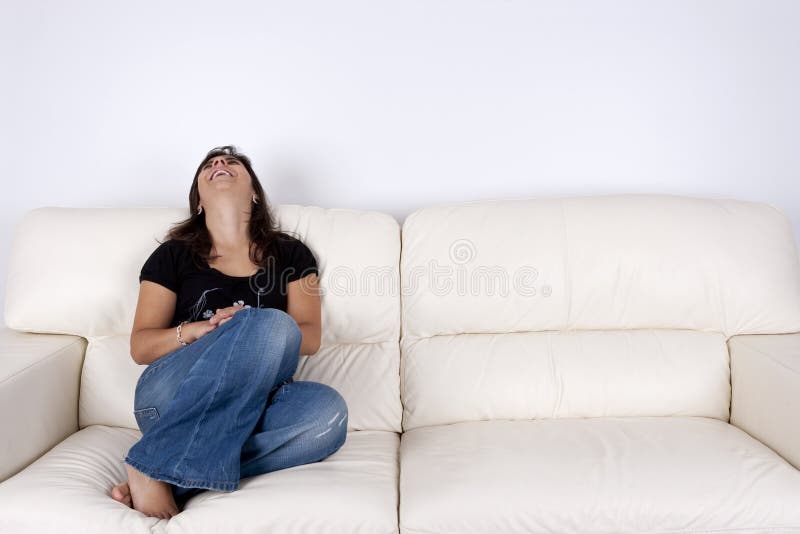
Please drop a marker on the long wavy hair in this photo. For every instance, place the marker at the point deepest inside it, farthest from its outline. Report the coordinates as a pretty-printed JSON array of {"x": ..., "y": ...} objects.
[{"x": 263, "y": 228}]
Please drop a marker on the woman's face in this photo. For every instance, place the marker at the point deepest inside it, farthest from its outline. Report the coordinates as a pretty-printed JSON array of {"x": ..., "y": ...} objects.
[{"x": 224, "y": 177}]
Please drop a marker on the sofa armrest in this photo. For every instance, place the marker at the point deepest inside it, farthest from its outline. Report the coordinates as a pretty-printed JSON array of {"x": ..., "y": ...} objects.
[
  {"x": 765, "y": 383},
  {"x": 39, "y": 382}
]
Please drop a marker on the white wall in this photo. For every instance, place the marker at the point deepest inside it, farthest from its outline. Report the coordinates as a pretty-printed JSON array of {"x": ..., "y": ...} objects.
[{"x": 393, "y": 105}]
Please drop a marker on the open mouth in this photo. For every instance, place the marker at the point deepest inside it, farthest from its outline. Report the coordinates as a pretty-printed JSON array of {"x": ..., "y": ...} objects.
[{"x": 219, "y": 172}]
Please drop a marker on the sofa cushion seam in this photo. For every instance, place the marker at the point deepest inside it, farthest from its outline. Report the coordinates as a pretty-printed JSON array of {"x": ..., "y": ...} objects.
[
  {"x": 766, "y": 355},
  {"x": 38, "y": 362}
]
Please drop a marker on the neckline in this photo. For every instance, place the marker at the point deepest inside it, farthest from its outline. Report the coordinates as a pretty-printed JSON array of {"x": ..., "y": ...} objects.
[
  {"x": 209, "y": 267},
  {"x": 230, "y": 275}
]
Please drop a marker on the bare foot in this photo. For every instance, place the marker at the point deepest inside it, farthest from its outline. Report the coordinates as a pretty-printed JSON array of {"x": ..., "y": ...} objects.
[
  {"x": 122, "y": 493},
  {"x": 151, "y": 497}
]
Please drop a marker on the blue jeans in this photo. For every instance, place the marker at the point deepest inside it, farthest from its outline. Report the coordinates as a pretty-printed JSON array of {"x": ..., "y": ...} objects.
[{"x": 226, "y": 407}]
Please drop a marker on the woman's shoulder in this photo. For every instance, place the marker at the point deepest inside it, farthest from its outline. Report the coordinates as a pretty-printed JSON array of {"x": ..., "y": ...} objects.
[
  {"x": 289, "y": 243},
  {"x": 165, "y": 265},
  {"x": 297, "y": 256},
  {"x": 171, "y": 246},
  {"x": 178, "y": 251},
  {"x": 286, "y": 239}
]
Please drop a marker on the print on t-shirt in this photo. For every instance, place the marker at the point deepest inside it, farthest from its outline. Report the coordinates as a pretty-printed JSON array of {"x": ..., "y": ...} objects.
[
  {"x": 202, "y": 289},
  {"x": 200, "y": 304}
]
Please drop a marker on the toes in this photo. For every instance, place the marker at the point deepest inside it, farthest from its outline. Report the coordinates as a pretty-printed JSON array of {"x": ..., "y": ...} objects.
[{"x": 122, "y": 493}]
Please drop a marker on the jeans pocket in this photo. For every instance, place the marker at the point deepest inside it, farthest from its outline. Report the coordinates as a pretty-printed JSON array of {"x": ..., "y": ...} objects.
[{"x": 146, "y": 418}]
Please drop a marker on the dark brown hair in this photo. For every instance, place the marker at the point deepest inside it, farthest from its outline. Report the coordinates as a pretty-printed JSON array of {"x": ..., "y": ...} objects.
[{"x": 263, "y": 228}]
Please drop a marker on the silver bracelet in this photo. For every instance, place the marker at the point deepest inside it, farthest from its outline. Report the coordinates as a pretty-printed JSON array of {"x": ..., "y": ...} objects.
[{"x": 182, "y": 342}]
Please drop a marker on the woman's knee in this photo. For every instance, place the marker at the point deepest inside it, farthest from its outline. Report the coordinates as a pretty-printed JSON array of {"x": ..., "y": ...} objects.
[
  {"x": 272, "y": 320},
  {"x": 274, "y": 334},
  {"x": 324, "y": 414},
  {"x": 331, "y": 410}
]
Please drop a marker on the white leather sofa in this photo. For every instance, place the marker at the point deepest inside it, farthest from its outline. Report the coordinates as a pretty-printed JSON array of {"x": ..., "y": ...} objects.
[{"x": 619, "y": 363}]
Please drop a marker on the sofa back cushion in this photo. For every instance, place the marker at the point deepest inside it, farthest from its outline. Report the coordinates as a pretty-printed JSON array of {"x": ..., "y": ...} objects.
[
  {"x": 611, "y": 305},
  {"x": 75, "y": 271}
]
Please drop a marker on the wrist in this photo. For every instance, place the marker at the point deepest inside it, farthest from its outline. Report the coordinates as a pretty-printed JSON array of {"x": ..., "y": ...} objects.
[{"x": 185, "y": 333}]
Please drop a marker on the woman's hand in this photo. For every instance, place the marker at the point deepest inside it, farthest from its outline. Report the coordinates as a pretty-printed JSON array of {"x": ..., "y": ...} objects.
[
  {"x": 194, "y": 331},
  {"x": 191, "y": 332},
  {"x": 224, "y": 314}
]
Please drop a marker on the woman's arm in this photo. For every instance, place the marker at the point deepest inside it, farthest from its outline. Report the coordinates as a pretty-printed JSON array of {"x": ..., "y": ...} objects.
[
  {"x": 151, "y": 336},
  {"x": 303, "y": 304}
]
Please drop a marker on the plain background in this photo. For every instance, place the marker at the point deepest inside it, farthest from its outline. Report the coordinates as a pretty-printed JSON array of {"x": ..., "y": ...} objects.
[{"x": 395, "y": 105}]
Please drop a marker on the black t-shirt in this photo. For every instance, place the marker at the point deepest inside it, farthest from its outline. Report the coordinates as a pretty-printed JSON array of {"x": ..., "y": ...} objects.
[{"x": 202, "y": 289}]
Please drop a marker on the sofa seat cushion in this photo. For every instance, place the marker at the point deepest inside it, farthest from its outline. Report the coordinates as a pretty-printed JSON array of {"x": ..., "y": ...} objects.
[
  {"x": 592, "y": 475},
  {"x": 68, "y": 491}
]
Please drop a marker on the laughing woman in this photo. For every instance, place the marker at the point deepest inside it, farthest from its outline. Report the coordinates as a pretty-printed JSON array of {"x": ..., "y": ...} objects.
[{"x": 227, "y": 304}]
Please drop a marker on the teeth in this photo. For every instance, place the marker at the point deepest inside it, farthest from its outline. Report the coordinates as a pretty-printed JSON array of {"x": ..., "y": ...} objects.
[{"x": 217, "y": 173}]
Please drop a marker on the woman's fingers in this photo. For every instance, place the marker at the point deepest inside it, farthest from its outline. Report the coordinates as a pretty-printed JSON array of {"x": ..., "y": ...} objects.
[
  {"x": 216, "y": 318},
  {"x": 230, "y": 310},
  {"x": 223, "y": 314}
]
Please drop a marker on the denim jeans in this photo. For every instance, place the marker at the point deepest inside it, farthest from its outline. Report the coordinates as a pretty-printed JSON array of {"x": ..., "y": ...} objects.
[{"x": 226, "y": 407}]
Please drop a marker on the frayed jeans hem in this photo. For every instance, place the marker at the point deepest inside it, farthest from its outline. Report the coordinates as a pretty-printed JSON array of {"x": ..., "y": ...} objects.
[{"x": 201, "y": 484}]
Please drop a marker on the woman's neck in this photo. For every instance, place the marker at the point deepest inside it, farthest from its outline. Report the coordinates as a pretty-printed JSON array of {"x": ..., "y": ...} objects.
[{"x": 229, "y": 230}]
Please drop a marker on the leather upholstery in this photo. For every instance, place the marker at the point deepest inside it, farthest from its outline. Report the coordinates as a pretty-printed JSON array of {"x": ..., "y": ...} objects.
[
  {"x": 613, "y": 262},
  {"x": 353, "y": 490},
  {"x": 765, "y": 373},
  {"x": 593, "y": 475},
  {"x": 93, "y": 294},
  {"x": 620, "y": 363},
  {"x": 39, "y": 376},
  {"x": 565, "y": 367},
  {"x": 583, "y": 373}
]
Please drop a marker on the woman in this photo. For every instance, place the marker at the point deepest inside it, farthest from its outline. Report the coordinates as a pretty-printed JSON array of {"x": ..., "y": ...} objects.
[{"x": 226, "y": 306}]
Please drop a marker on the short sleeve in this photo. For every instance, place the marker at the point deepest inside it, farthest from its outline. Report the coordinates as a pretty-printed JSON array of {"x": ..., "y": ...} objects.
[
  {"x": 301, "y": 262},
  {"x": 161, "y": 267}
]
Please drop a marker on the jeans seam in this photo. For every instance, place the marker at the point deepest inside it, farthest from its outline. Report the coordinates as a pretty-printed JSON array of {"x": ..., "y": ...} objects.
[
  {"x": 217, "y": 485},
  {"x": 214, "y": 396},
  {"x": 154, "y": 366},
  {"x": 268, "y": 336}
]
